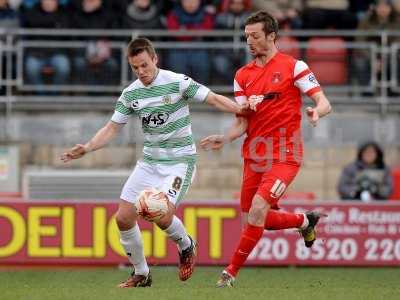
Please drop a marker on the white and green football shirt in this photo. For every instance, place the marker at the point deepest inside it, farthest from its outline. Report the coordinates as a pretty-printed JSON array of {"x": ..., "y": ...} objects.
[{"x": 163, "y": 109}]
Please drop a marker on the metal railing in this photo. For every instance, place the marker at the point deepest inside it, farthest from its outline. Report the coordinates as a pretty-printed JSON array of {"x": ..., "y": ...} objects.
[{"x": 17, "y": 44}]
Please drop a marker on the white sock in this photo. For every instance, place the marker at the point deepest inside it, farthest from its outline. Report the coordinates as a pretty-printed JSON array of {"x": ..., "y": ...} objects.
[
  {"x": 305, "y": 222},
  {"x": 177, "y": 232},
  {"x": 131, "y": 241}
]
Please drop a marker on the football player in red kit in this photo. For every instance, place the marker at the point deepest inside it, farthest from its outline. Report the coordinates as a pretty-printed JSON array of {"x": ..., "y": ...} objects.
[{"x": 272, "y": 84}]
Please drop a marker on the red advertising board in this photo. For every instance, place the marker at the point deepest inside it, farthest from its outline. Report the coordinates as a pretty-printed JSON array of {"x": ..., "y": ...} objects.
[{"x": 86, "y": 233}]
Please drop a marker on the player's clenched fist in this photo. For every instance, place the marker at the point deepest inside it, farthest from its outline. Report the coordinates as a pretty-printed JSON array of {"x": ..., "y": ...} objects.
[
  {"x": 213, "y": 142},
  {"x": 75, "y": 152},
  {"x": 312, "y": 115}
]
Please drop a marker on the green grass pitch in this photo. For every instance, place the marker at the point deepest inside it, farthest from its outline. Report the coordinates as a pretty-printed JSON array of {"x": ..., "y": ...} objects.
[{"x": 253, "y": 283}]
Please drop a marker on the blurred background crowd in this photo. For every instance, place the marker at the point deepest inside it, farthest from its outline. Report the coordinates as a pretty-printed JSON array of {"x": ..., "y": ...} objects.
[
  {"x": 197, "y": 14},
  {"x": 61, "y": 66}
]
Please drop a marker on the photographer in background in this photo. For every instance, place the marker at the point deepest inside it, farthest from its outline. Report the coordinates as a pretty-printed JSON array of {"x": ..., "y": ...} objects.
[{"x": 368, "y": 178}]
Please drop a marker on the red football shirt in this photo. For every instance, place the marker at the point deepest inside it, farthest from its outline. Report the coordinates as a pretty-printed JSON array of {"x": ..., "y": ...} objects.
[{"x": 274, "y": 130}]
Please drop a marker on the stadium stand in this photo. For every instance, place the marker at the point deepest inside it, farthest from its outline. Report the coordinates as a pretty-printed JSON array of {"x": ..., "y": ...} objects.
[
  {"x": 327, "y": 57},
  {"x": 289, "y": 45}
]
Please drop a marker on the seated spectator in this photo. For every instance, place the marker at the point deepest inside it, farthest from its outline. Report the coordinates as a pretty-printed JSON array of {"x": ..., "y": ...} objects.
[
  {"x": 396, "y": 5},
  {"x": 142, "y": 14},
  {"x": 190, "y": 15},
  {"x": 117, "y": 8},
  {"x": 95, "y": 64},
  {"x": 28, "y": 4},
  {"x": 360, "y": 8},
  {"x": 8, "y": 16},
  {"x": 224, "y": 4},
  {"x": 210, "y": 6},
  {"x": 323, "y": 14},
  {"x": 286, "y": 12},
  {"x": 45, "y": 62},
  {"x": 227, "y": 61},
  {"x": 8, "y": 19},
  {"x": 14, "y": 4},
  {"x": 381, "y": 16},
  {"x": 368, "y": 178}
]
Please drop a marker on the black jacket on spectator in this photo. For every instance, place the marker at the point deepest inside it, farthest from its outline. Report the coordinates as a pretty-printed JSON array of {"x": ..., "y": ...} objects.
[
  {"x": 98, "y": 19},
  {"x": 36, "y": 17},
  {"x": 8, "y": 18}
]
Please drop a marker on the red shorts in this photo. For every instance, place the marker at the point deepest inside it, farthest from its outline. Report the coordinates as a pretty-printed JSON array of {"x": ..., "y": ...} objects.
[{"x": 268, "y": 181}]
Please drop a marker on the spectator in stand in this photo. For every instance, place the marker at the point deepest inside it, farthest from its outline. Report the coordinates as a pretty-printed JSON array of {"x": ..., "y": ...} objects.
[
  {"x": 96, "y": 64},
  {"x": 14, "y": 4},
  {"x": 285, "y": 11},
  {"x": 382, "y": 16},
  {"x": 323, "y": 14},
  {"x": 142, "y": 14},
  {"x": 360, "y": 7},
  {"x": 117, "y": 8},
  {"x": 8, "y": 17},
  {"x": 28, "y": 4},
  {"x": 190, "y": 15},
  {"x": 46, "y": 62},
  {"x": 226, "y": 61},
  {"x": 368, "y": 178},
  {"x": 210, "y": 6},
  {"x": 396, "y": 5},
  {"x": 224, "y": 5}
]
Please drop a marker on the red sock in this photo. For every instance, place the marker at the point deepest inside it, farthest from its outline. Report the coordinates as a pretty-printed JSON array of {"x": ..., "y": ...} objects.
[
  {"x": 276, "y": 220},
  {"x": 248, "y": 240}
]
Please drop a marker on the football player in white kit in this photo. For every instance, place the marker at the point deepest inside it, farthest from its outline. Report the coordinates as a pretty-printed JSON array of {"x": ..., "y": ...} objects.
[{"x": 160, "y": 98}]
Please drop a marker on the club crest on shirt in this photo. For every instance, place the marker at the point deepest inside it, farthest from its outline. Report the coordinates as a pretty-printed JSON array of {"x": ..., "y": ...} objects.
[
  {"x": 276, "y": 77},
  {"x": 167, "y": 99}
]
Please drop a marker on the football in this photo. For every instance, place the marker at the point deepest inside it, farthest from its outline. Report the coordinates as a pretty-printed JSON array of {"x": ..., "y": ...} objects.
[{"x": 152, "y": 205}]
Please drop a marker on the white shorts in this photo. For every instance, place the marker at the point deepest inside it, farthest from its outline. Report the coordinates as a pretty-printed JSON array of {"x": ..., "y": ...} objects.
[{"x": 174, "y": 180}]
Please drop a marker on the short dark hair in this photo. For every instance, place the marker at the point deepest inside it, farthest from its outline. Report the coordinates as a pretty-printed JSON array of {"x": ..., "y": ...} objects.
[
  {"x": 270, "y": 23},
  {"x": 140, "y": 45}
]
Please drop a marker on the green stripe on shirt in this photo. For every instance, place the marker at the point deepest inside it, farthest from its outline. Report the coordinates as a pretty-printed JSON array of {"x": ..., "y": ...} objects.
[
  {"x": 171, "y": 143},
  {"x": 170, "y": 161}
]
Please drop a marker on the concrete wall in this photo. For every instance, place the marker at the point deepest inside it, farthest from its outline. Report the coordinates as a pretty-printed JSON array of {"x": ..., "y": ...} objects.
[{"x": 44, "y": 136}]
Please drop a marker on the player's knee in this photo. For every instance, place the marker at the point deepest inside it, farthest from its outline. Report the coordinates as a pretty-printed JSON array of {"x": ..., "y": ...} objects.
[
  {"x": 125, "y": 220},
  {"x": 255, "y": 218},
  {"x": 258, "y": 211},
  {"x": 166, "y": 220}
]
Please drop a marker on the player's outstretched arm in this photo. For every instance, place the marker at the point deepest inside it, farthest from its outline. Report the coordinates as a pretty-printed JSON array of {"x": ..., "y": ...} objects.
[
  {"x": 321, "y": 109},
  {"x": 100, "y": 139},
  {"x": 217, "y": 141},
  {"x": 225, "y": 104}
]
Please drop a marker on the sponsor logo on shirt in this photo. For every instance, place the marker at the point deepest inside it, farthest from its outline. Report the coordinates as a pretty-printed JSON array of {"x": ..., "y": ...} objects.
[
  {"x": 155, "y": 119},
  {"x": 172, "y": 193},
  {"x": 135, "y": 104},
  {"x": 272, "y": 96}
]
